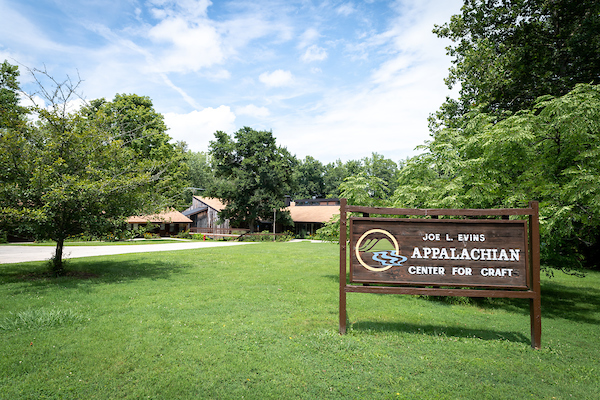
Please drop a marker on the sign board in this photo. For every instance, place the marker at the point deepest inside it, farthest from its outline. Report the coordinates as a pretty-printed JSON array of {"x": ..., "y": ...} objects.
[
  {"x": 450, "y": 252},
  {"x": 476, "y": 253}
]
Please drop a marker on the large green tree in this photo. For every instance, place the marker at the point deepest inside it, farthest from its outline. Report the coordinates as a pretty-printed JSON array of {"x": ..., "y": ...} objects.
[
  {"x": 336, "y": 172},
  {"x": 65, "y": 172},
  {"x": 549, "y": 153},
  {"x": 508, "y": 53},
  {"x": 200, "y": 174},
  {"x": 309, "y": 175},
  {"x": 133, "y": 119},
  {"x": 254, "y": 175},
  {"x": 12, "y": 114}
]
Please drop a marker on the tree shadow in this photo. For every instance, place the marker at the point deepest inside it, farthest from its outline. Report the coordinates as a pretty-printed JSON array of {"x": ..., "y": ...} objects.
[
  {"x": 577, "y": 304},
  {"x": 437, "y": 330},
  {"x": 85, "y": 272}
]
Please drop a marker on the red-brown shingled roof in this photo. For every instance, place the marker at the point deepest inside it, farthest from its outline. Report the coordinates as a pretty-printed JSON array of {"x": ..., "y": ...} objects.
[{"x": 168, "y": 217}]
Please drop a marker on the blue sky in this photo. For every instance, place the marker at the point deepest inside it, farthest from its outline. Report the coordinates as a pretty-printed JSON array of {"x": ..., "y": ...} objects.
[{"x": 331, "y": 79}]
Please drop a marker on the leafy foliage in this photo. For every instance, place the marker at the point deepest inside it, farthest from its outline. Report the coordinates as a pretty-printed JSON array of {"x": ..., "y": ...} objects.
[
  {"x": 72, "y": 172},
  {"x": 309, "y": 176},
  {"x": 134, "y": 121},
  {"x": 200, "y": 175},
  {"x": 548, "y": 153},
  {"x": 508, "y": 53},
  {"x": 254, "y": 175},
  {"x": 12, "y": 115}
]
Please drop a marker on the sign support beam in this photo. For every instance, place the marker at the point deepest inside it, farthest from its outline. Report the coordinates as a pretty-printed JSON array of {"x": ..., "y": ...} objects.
[{"x": 343, "y": 240}]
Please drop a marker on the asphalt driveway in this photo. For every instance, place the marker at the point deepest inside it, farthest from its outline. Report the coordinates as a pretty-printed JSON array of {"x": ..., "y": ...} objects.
[{"x": 22, "y": 253}]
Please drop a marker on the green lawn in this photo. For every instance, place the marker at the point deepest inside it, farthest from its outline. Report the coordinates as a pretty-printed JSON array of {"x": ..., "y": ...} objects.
[
  {"x": 99, "y": 243},
  {"x": 261, "y": 321}
]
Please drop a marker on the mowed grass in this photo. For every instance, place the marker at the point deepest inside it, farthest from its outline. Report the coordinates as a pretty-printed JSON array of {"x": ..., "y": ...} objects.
[
  {"x": 260, "y": 321},
  {"x": 51, "y": 243}
]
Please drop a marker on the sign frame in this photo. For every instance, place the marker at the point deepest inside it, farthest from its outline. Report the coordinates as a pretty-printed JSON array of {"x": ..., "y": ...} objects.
[{"x": 527, "y": 288}]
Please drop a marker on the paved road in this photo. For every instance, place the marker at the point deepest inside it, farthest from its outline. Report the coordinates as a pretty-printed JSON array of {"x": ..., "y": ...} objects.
[{"x": 21, "y": 253}]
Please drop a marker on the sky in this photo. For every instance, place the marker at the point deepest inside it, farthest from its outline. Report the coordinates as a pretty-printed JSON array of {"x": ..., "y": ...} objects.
[{"x": 331, "y": 79}]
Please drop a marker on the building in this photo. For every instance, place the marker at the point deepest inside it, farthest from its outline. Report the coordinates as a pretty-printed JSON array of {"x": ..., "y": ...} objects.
[
  {"x": 308, "y": 216},
  {"x": 167, "y": 223},
  {"x": 204, "y": 215},
  {"x": 311, "y": 214}
]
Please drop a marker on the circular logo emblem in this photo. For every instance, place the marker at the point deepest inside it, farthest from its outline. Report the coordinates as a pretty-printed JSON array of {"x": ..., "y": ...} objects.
[{"x": 387, "y": 259}]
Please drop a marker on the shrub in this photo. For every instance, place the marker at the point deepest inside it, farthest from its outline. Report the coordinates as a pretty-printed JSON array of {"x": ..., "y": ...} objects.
[
  {"x": 266, "y": 236},
  {"x": 184, "y": 235}
]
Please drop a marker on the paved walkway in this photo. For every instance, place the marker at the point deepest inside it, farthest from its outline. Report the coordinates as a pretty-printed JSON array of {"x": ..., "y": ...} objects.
[{"x": 22, "y": 253}]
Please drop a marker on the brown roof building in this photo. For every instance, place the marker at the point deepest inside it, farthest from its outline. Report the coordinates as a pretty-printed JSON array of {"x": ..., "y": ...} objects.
[
  {"x": 311, "y": 214},
  {"x": 308, "y": 215},
  {"x": 204, "y": 214},
  {"x": 168, "y": 223}
]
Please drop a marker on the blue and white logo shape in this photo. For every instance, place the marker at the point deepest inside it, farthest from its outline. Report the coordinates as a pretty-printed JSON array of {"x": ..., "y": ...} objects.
[
  {"x": 386, "y": 259},
  {"x": 389, "y": 257}
]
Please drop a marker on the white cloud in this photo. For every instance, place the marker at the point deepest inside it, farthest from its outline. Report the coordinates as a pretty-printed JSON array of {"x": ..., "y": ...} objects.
[
  {"x": 238, "y": 32},
  {"x": 191, "y": 46},
  {"x": 33, "y": 101},
  {"x": 188, "y": 54},
  {"x": 191, "y": 8},
  {"x": 18, "y": 30},
  {"x": 276, "y": 78},
  {"x": 386, "y": 112},
  {"x": 389, "y": 69},
  {"x": 308, "y": 37},
  {"x": 197, "y": 128},
  {"x": 314, "y": 53},
  {"x": 253, "y": 111},
  {"x": 346, "y": 9}
]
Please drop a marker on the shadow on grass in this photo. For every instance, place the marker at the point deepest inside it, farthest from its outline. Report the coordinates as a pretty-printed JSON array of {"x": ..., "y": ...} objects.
[
  {"x": 442, "y": 331},
  {"x": 83, "y": 272},
  {"x": 577, "y": 304}
]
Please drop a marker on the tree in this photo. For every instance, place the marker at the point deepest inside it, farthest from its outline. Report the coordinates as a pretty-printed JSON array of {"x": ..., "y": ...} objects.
[
  {"x": 337, "y": 172},
  {"x": 508, "y": 53},
  {"x": 254, "y": 175},
  {"x": 133, "y": 119},
  {"x": 12, "y": 115},
  {"x": 66, "y": 173},
  {"x": 309, "y": 176},
  {"x": 549, "y": 153},
  {"x": 384, "y": 169},
  {"x": 12, "y": 124},
  {"x": 364, "y": 190},
  {"x": 200, "y": 174}
]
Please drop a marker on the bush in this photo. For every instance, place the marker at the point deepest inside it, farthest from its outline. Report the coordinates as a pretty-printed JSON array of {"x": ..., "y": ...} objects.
[
  {"x": 184, "y": 235},
  {"x": 266, "y": 236},
  {"x": 330, "y": 232}
]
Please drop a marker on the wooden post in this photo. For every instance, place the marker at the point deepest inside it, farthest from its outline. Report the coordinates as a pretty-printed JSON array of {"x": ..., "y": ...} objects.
[
  {"x": 343, "y": 224},
  {"x": 274, "y": 222},
  {"x": 535, "y": 303}
]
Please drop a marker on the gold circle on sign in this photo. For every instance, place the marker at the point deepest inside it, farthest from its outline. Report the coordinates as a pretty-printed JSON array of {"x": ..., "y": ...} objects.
[{"x": 375, "y": 269}]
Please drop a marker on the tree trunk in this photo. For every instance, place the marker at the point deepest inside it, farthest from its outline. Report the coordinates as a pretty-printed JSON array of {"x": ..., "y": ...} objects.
[{"x": 58, "y": 268}]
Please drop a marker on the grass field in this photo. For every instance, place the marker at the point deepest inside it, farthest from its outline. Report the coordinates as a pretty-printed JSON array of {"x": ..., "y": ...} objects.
[
  {"x": 97, "y": 243},
  {"x": 260, "y": 322}
]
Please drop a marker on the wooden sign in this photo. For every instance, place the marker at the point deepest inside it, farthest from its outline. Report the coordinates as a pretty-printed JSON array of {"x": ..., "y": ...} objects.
[
  {"x": 460, "y": 253},
  {"x": 469, "y": 257}
]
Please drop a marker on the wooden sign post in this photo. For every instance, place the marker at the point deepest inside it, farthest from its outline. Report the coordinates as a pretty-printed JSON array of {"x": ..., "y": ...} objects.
[{"x": 470, "y": 257}]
